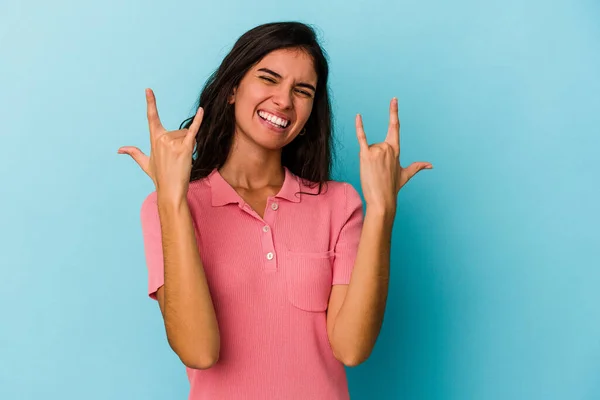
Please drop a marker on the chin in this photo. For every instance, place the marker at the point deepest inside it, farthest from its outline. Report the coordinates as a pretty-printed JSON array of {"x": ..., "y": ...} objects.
[
  {"x": 269, "y": 139},
  {"x": 270, "y": 144}
]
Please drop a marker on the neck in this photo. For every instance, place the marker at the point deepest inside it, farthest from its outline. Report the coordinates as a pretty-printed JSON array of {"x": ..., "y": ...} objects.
[{"x": 252, "y": 168}]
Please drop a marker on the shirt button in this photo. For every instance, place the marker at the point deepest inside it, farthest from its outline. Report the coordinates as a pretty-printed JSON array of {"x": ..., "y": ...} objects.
[
  {"x": 274, "y": 206},
  {"x": 269, "y": 256},
  {"x": 266, "y": 228}
]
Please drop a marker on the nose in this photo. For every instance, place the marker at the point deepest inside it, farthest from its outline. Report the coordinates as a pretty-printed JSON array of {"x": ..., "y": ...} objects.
[{"x": 283, "y": 97}]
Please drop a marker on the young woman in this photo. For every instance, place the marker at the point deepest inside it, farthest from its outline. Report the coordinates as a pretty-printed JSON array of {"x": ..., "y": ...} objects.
[{"x": 269, "y": 277}]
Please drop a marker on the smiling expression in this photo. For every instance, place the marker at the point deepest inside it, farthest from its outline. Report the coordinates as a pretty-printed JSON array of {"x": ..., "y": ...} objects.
[{"x": 274, "y": 99}]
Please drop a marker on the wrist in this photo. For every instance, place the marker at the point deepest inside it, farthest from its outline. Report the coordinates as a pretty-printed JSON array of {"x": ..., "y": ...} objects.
[
  {"x": 384, "y": 206},
  {"x": 168, "y": 201},
  {"x": 380, "y": 211}
]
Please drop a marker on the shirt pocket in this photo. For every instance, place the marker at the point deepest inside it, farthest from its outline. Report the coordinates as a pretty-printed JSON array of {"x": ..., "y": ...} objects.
[{"x": 308, "y": 278}]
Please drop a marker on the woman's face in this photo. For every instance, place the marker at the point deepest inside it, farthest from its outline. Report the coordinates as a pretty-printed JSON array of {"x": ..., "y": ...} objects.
[{"x": 274, "y": 99}]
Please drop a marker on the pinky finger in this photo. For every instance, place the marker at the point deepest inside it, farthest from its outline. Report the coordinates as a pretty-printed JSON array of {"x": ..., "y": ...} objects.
[{"x": 195, "y": 126}]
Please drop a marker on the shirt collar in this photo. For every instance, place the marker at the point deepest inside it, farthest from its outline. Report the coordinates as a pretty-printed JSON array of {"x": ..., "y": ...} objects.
[{"x": 222, "y": 193}]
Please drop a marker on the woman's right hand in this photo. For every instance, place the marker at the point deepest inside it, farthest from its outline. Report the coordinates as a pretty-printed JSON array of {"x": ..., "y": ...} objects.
[{"x": 170, "y": 162}]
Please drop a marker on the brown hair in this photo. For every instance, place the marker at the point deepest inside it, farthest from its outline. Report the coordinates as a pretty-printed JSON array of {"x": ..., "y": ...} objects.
[{"x": 308, "y": 156}]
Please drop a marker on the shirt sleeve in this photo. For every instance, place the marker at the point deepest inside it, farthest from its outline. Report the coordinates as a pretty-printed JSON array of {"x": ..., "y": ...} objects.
[
  {"x": 153, "y": 251},
  {"x": 346, "y": 246}
]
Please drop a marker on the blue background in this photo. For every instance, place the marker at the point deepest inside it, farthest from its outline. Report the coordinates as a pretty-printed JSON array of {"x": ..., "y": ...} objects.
[{"x": 496, "y": 260}]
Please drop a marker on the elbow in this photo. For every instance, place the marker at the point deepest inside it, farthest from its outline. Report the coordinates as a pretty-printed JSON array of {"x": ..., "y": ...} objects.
[
  {"x": 351, "y": 359},
  {"x": 204, "y": 362},
  {"x": 197, "y": 358}
]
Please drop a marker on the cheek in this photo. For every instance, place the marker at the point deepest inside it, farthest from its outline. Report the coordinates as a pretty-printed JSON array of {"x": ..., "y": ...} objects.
[
  {"x": 254, "y": 93},
  {"x": 245, "y": 103},
  {"x": 303, "y": 110},
  {"x": 242, "y": 93}
]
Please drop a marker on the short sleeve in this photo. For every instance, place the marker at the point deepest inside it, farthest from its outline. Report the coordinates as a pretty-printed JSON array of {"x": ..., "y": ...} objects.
[
  {"x": 151, "y": 233},
  {"x": 346, "y": 246}
]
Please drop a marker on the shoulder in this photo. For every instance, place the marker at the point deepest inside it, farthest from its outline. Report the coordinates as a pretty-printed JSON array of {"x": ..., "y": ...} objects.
[
  {"x": 343, "y": 201},
  {"x": 341, "y": 191},
  {"x": 347, "y": 198},
  {"x": 338, "y": 196},
  {"x": 149, "y": 204}
]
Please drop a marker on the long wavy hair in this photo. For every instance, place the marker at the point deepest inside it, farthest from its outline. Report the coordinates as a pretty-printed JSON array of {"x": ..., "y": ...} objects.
[{"x": 308, "y": 156}]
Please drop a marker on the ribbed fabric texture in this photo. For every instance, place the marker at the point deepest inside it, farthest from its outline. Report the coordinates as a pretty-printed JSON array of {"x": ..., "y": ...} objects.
[{"x": 270, "y": 279}]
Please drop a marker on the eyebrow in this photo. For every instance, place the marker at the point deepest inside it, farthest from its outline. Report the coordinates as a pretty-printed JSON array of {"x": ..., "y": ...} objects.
[{"x": 276, "y": 75}]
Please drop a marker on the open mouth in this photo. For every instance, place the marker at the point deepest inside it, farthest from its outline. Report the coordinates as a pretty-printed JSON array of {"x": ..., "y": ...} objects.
[{"x": 277, "y": 122}]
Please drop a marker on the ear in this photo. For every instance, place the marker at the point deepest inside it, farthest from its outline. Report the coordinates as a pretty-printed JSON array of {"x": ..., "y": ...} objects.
[{"x": 232, "y": 96}]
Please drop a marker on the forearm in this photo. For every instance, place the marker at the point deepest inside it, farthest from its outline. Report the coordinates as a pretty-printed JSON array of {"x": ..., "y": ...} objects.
[
  {"x": 359, "y": 320},
  {"x": 189, "y": 314}
]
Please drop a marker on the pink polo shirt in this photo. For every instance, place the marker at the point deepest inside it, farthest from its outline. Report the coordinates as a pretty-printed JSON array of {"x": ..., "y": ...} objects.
[{"x": 270, "y": 279}]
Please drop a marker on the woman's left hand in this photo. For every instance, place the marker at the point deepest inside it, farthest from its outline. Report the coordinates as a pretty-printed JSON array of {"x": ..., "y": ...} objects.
[{"x": 381, "y": 175}]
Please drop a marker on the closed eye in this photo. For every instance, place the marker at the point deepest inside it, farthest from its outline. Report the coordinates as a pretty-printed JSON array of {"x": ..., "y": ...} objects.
[
  {"x": 271, "y": 80},
  {"x": 304, "y": 92},
  {"x": 268, "y": 79}
]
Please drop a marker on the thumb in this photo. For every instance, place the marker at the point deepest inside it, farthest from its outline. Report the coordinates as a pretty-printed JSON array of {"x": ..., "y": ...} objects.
[
  {"x": 413, "y": 168},
  {"x": 138, "y": 156}
]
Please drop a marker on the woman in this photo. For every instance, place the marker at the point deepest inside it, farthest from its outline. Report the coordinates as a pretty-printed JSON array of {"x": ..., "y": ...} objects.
[{"x": 267, "y": 275}]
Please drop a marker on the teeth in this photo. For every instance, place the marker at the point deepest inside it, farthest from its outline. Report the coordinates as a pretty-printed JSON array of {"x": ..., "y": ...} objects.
[{"x": 273, "y": 119}]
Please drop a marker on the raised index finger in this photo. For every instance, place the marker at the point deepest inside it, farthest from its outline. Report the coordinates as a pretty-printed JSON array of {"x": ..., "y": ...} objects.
[
  {"x": 153, "y": 119},
  {"x": 360, "y": 134}
]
